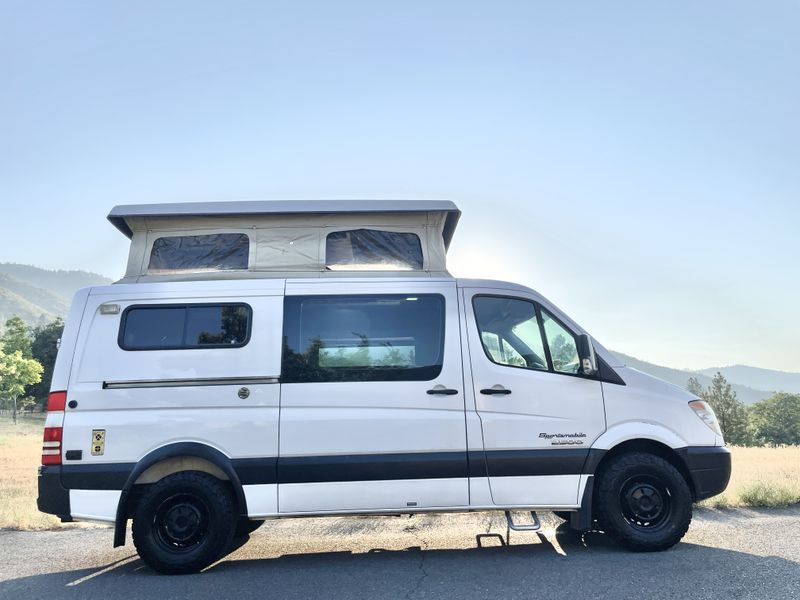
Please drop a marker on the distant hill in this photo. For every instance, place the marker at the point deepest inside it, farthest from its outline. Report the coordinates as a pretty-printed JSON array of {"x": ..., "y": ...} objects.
[
  {"x": 759, "y": 378},
  {"x": 679, "y": 377},
  {"x": 38, "y": 295}
]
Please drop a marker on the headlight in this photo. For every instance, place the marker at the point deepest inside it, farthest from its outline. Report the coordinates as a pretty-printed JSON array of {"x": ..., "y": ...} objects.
[{"x": 706, "y": 413}]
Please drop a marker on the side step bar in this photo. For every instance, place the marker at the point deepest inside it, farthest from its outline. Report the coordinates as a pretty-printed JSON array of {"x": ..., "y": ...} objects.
[{"x": 534, "y": 526}]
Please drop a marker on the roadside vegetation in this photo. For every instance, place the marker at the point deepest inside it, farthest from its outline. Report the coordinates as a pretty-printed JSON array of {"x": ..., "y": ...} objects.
[
  {"x": 20, "y": 454},
  {"x": 762, "y": 477},
  {"x": 774, "y": 421}
]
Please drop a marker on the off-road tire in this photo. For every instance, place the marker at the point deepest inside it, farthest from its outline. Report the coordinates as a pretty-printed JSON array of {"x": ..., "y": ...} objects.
[
  {"x": 563, "y": 515},
  {"x": 643, "y": 502},
  {"x": 184, "y": 522}
]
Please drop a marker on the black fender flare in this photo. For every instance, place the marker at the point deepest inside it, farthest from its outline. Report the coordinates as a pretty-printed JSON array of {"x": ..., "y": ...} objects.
[{"x": 194, "y": 449}]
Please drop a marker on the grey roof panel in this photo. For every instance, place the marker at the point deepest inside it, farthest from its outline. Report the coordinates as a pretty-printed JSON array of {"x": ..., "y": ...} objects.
[{"x": 119, "y": 214}]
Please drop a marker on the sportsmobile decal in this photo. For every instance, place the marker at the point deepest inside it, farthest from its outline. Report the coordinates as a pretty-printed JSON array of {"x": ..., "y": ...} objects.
[{"x": 563, "y": 439}]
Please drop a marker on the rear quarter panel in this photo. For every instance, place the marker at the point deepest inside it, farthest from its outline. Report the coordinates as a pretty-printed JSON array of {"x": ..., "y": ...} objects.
[{"x": 136, "y": 421}]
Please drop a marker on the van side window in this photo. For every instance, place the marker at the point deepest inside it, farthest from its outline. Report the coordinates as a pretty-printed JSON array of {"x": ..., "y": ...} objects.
[
  {"x": 362, "y": 338},
  {"x": 179, "y": 327},
  {"x": 371, "y": 249},
  {"x": 510, "y": 331},
  {"x": 562, "y": 345},
  {"x": 214, "y": 252}
]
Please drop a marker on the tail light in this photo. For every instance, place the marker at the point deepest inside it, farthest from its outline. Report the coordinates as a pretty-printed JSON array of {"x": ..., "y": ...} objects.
[
  {"x": 51, "y": 446},
  {"x": 56, "y": 401}
]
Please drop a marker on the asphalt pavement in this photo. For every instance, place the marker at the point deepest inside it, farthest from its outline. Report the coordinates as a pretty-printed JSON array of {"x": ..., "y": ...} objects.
[{"x": 726, "y": 554}]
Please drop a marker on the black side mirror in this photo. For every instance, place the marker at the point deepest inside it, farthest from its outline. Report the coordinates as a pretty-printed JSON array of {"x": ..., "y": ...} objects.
[{"x": 586, "y": 355}]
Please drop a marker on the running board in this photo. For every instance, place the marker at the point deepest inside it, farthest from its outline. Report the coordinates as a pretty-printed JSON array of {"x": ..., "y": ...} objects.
[{"x": 535, "y": 526}]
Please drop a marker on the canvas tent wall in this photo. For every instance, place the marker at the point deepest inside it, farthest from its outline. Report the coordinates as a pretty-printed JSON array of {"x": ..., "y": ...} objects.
[{"x": 285, "y": 238}]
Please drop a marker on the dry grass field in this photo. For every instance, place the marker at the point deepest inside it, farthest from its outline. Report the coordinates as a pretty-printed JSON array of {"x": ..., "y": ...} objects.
[
  {"x": 761, "y": 476},
  {"x": 20, "y": 453}
]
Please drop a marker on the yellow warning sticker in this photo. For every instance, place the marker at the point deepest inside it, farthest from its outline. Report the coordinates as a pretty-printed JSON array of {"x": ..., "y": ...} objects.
[{"x": 98, "y": 442}]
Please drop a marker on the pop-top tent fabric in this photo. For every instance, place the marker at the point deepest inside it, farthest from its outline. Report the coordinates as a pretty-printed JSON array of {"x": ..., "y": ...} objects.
[{"x": 285, "y": 238}]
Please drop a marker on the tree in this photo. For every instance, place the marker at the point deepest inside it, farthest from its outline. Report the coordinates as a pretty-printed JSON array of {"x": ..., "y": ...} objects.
[
  {"x": 695, "y": 387},
  {"x": 44, "y": 349},
  {"x": 731, "y": 412},
  {"x": 776, "y": 420},
  {"x": 17, "y": 336},
  {"x": 16, "y": 372}
]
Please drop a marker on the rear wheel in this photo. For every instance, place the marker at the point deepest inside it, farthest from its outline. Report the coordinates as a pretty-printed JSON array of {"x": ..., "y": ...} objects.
[
  {"x": 563, "y": 515},
  {"x": 184, "y": 522},
  {"x": 643, "y": 502}
]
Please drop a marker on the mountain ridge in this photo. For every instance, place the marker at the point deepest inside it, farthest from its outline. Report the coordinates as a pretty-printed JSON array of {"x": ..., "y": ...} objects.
[
  {"x": 679, "y": 377},
  {"x": 37, "y": 295},
  {"x": 757, "y": 377}
]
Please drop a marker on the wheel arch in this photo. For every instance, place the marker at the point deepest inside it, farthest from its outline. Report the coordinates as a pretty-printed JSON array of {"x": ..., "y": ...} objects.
[
  {"x": 174, "y": 458},
  {"x": 650, "y": 446}
]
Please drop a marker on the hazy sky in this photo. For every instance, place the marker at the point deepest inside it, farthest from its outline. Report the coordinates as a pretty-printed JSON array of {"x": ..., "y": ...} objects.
[{"x": 636, "y": 162}]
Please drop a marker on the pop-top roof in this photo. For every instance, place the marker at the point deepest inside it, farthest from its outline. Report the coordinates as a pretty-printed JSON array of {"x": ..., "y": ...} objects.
[
  {"x": 210, "y": 240},
  {"x": 119, "y": 215}
]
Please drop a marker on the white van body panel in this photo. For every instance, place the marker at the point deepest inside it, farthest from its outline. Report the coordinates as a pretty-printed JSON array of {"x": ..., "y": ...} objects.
[
  {"x": 649, "y": 408},
  {"x": 94, "y": 505},
  {"x": 521, "y": 425},
  {"x": 379, "y": 418},
  {"x": 139, "y": 420},
  {"x": 69, "y": 338},
  {"x": 262, "y": 499},
  {"x": 376, "y": 496}
]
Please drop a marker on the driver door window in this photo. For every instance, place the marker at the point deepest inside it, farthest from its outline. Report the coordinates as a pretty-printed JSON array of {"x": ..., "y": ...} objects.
[
  {"x": 510, "y": 332},
  {"x": 562, "y": 346}
]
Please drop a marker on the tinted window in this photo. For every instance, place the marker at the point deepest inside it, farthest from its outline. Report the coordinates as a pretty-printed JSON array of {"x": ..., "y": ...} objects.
[
  {"x": 153, "y": 328},
  {"x": 370, "y": 249},
  {"x": 362, "y": 338},
  {"x": 510, "y": 331},
  {"x": 183, "y": 327},
  {"x": 562, "y": 346},
  {"x": 216, "y": 252}
]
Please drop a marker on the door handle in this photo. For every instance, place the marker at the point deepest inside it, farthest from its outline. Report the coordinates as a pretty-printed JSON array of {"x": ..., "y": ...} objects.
[
  {"x": 495, "y": 390},
  {"x": 442, "y": 391}
]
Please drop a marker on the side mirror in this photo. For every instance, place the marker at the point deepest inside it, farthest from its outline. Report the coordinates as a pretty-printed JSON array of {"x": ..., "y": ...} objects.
[{"x": 586, "y": 355}]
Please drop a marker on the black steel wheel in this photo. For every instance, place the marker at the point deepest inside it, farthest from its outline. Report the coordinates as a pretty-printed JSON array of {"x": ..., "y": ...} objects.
[
  {"x": 643, "y": 502},
  {"x": 184, "y": 522},
  {"x": 181, "y": 521}
]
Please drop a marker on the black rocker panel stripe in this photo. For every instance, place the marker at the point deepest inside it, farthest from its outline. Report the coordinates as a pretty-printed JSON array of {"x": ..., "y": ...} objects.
[
  {"x": 108, "y": 476},
  {"x": 372, "y": 467},
  {"x": 367, "y": 467}
]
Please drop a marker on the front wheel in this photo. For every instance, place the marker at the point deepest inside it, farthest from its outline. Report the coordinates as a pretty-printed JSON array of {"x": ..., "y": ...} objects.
[
  {"x": 184, "y": 522},
  {"x": 643, "y": 502}
]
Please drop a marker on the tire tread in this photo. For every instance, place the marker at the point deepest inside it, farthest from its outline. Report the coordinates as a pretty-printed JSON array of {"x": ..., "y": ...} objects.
[
  {"x": 626, "y": 536},
  {"x": 223, "y": 509}
]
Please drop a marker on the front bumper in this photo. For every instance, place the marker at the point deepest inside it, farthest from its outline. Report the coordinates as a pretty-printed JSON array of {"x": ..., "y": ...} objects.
[
  {"x": 53, "y": 498},
  {"x": 709, "y": 467}
]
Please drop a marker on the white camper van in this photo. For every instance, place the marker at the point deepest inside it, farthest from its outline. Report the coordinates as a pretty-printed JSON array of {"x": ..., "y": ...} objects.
[{"x": 283, "y": 359}]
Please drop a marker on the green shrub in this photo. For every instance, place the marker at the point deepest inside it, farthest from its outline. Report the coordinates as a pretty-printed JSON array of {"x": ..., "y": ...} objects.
[
  {"x": 767, "y": 495},
  {"x": 718, "y": 501}
]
